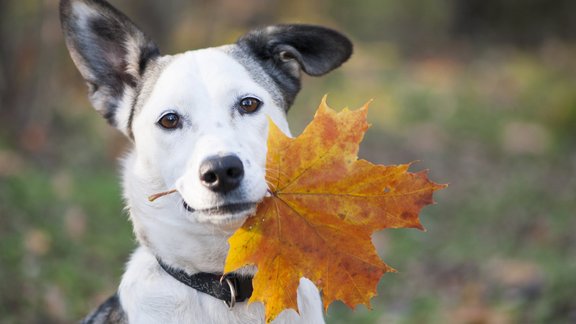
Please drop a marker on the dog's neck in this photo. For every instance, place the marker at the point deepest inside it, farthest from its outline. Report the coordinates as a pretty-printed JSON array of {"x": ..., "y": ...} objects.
[{"x": 167, "y": 231}]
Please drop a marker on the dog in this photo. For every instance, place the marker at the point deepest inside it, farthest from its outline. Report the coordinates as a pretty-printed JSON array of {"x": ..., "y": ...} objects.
[{"x": 198, "y": 123}]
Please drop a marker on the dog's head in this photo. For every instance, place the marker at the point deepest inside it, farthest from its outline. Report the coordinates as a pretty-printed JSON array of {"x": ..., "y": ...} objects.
[{"x": 198, "y": 119}]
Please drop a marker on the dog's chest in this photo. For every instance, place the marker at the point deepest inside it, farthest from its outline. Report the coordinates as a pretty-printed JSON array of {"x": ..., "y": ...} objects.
[{"x": 149, "y": 295}]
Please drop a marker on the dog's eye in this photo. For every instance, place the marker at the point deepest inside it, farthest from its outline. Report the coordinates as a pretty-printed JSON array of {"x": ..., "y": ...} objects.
[
  {"x": 249, "y": 105},
  {"x": 169, "y": 121}
]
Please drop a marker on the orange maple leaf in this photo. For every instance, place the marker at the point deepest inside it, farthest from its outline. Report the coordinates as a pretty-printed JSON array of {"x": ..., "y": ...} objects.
[{"x": 323, "y": 208}]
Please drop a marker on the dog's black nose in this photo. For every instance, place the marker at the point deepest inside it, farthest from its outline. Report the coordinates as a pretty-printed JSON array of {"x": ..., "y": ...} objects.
[{"x": 222, "y": 173}]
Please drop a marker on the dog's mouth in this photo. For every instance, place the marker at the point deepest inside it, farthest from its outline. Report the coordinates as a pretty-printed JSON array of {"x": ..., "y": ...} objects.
[
  {"x": 220, "y": 214},
  {"x": 227, "y": 209}
]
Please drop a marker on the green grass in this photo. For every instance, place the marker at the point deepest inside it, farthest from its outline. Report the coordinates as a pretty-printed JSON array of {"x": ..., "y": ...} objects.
[
  {"x": 499, "y": 244},
  {"x": 45, "y": 266}
]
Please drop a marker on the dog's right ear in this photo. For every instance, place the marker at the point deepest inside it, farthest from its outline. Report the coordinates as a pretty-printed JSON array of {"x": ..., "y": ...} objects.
[{"x": 111, "y": 54}]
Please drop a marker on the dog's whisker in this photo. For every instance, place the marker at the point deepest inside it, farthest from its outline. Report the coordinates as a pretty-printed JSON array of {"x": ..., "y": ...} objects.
[{"x": 153, "y": 197}]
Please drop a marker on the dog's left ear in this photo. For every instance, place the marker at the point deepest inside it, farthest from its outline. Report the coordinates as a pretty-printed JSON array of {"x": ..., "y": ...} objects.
[
  {"x": 286, "y": 50},
  {"x": 110, "y": 52}
]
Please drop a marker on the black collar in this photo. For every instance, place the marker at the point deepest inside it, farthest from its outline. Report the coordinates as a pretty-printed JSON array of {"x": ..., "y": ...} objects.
[{"x": 231, "y": 288}]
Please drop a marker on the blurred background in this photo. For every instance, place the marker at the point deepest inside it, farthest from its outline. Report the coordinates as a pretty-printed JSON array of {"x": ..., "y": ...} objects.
[{"x": 481, "y": 92}]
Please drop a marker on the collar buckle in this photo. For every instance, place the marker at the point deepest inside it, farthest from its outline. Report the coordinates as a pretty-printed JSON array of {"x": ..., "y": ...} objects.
[{"x": 232, "y": 287}]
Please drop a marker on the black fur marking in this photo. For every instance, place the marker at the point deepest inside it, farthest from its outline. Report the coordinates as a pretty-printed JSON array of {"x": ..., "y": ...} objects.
[
  {"x": 110, "y": 113},
  {"x": 98, "y": 41},
  {"x": 149, "y": 52},
  {"x": 284, "y": 50},
  {"x": 288, "y": 84},
  {"x": 109, "y": 312}
]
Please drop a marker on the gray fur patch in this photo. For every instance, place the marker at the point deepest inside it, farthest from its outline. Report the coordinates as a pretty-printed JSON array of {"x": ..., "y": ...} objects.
[
  {"x": 110, "y": 312},
  {"x": 151, "y": 75},
  {"x": 257, "y": 73}
]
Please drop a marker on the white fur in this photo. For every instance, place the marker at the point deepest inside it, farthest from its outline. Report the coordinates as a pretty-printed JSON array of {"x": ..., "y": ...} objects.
[
  {"x": 202, "y": 86},
  {"x": 83, "y": 13}
]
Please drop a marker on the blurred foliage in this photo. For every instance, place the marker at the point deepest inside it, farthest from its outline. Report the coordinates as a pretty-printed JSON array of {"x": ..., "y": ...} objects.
[{"x": 482, "y": 92}]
